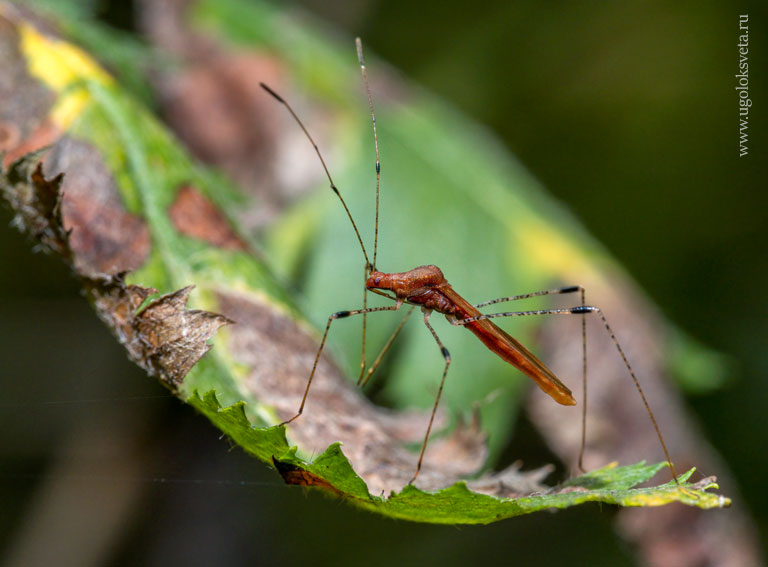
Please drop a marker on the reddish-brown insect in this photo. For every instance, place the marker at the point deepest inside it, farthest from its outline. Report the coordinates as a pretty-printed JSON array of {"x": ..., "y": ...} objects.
[{"x": 425, "y": 286}]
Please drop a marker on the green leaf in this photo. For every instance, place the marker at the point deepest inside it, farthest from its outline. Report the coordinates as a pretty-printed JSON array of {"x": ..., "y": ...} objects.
[{"x": 456, "y": 504}]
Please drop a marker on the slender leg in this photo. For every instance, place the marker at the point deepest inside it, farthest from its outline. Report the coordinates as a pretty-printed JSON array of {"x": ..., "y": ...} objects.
[
  {"x": 447, "y": 357},
  {"x": 563, "y": 290},
  {"x": 586, "y": 310},
  {"x": 391, "y": 340},
  {"x": 331, "y": 319},
  {"x": 583, "y": 383}
]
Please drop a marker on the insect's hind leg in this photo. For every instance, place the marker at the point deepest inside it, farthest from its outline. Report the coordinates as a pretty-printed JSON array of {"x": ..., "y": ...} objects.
[
  {"x": 447, "y": 357},
  {"x": 586, "y": 310},
  {"x": 559, "y": 291},
  {"x": 331, "y": 319}
]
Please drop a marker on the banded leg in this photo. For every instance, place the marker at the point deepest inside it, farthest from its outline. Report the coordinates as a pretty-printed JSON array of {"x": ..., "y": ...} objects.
[
  {"x": 447, "y": 357},
  {"x": 586, "y": 310},
  {"x": 563, "y": 290},
  {"x": 331, "y": 319}
]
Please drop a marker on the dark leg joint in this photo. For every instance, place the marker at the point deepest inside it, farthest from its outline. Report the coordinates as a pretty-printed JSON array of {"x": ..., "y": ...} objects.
[
  {"x": 446, "y": 354},
  {"x": 340, "y": 315},
  {"x": 571, "y": 289},
  {"x": 584, "y": 309}
]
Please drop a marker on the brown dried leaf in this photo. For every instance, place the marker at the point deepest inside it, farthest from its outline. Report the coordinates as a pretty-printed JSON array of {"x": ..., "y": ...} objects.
[
  {"x": 165, "y": 338},
  {"x": 295, "y": 475},
  {"x": 36, "y": 202}
]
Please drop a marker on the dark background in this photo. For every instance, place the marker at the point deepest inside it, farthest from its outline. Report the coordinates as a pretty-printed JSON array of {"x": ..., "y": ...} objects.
[{"x": 627, "y": 112}]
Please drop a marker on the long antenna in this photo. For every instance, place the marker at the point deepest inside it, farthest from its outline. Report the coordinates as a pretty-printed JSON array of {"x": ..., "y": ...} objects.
[
  {"x": 327, "y": 173},
  {"x": 359, "y": 45}
]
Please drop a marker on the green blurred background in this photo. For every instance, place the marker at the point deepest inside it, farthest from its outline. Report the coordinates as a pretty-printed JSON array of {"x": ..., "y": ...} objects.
[{"x": 625, "y": 111}]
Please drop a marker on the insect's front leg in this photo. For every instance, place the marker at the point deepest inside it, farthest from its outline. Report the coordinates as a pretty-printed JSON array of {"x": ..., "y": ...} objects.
[{"x": 331, "y": 319}]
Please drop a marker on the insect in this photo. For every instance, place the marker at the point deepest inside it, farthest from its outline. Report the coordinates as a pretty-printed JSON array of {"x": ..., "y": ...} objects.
[{"x": 426, "y": 287}]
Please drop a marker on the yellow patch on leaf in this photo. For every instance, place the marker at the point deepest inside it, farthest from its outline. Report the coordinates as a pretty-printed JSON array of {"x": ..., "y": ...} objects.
[
  {"x": 550, "y": 253},
  {"x": 61, "y": 66}
]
